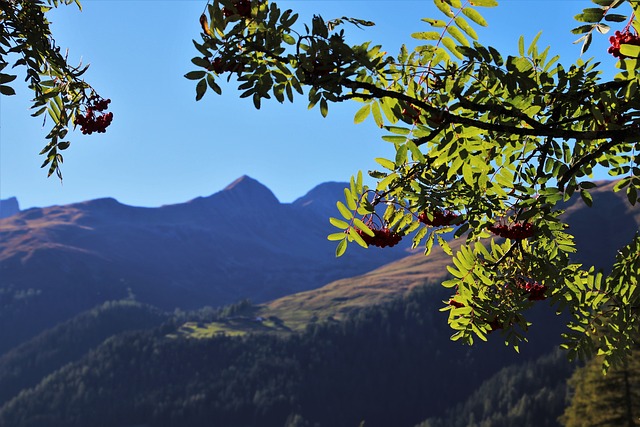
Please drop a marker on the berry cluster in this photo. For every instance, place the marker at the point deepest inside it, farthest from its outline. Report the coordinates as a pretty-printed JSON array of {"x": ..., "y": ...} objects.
[
  {"x": 535, "y": 289},
  {"x": 381, "y": 238},
  {"x": 517, "y": 230},
  {"x": 242, "y": 8},
  {"x": 91, "y": 122},
  {"x": 217, "y": 66},
  {"x": 439, "y": 218},
  {"x": 456, "y": 304},
  {"x": 495, "y": 324},
  {"x": 619, "y": 38}
]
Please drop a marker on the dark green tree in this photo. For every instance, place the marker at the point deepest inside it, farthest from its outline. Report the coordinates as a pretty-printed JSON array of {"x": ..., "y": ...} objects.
[{"x": 611, "y": 400}]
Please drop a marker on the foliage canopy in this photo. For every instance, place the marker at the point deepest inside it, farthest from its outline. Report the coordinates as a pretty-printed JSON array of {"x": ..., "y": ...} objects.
[{"x": 487, "y": 148}]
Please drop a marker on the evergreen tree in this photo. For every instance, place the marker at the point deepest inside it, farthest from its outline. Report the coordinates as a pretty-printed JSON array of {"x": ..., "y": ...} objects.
[{"x": 611, "y": 400}]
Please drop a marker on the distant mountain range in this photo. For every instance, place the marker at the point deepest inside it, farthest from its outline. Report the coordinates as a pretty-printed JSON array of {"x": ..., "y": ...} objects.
[{"x": 238, "y": 243}]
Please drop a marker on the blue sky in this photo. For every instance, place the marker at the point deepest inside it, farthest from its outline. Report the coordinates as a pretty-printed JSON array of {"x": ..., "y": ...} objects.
[{"x": 164, "y": 147}]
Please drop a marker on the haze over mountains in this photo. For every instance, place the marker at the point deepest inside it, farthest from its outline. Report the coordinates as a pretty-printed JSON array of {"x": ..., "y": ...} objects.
[{"x": 238, "y": 243}]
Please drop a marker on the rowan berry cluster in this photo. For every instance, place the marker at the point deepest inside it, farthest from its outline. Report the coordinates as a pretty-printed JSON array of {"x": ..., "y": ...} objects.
[
  {"x": 536, "y": 290},
  {"x": 456, "y": 304},
  {"x": 91, "y": 122},
  {"x": 381, "y": 238},
  {"x": 620, "y": 38},
  {"x": 517, "y": 230},
  {"x": 242, "y": 8},
  {"x": 217, "y": 66},
  {"x": 440, "y": 218}
]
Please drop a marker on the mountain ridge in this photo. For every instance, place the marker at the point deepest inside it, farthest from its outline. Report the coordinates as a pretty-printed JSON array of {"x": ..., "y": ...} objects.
[{"x": 238, "y": 243}]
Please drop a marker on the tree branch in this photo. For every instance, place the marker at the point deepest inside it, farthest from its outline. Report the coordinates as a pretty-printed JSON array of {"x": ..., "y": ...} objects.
[{"x": 544, "y": 130}]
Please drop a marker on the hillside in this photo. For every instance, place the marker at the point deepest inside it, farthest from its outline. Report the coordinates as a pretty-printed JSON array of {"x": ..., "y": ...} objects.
[{"x": 391, "y": 364}]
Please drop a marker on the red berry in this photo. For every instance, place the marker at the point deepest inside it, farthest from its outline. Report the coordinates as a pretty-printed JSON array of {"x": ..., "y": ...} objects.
[
  {"x": 440, "y": 218},
  {"x": 618, "y": 39},
  {"x": 381, "y": 237},
  {"x": 242, "y": 8},
  {"x": 456, "y": 304},
  {"x": 517, "y": 230}
]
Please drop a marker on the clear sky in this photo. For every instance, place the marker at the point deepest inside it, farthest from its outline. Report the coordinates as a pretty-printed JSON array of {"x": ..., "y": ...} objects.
[{"x": 163, "y": 147}]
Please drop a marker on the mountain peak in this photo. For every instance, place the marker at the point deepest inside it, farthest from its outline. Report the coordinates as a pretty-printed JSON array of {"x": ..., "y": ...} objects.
[
  {"x": 322, "y": 198},
  {"x": 243, "y": 183},
  {"x": 244, "y": 190},
  {"x": 9, "y": 207}
]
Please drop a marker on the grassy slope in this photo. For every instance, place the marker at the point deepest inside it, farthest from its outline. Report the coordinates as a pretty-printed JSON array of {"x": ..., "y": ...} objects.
[{"x": 333, "y": 301}]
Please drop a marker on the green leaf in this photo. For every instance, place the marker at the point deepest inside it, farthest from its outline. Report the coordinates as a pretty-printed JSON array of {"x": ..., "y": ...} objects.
[
  {"x": 336, "y": 236},
  {"x": 632, "y": 51},
  {"x": 444, "y": 7},
  {"x": 396, "y": 139},
  {"x": 346, "y": 213},
  {"x": 438, "y": 23},
  {"x": 201, "y": 88},
  {"x": 387, "y": 164},
  {"x": 451, "y": 45},
  {"x": 7, "y": 90},
  {"x": 211, "y": 81},
  {"x": 341, "y": 248},
  {"x": 483, "y": 3},
  {"x": 338, "y": 223},
  {"x": 475, "y": 16},
  {"x": 460, "y": 38},
  {"x": 357, "y": 238},
  {"x": 195, "y": 75},
  {"x": 398, "y": 130},
  {"x": 362, "y": 114},
  {"x": 464, "y": 26},
  {"x": 586, "y": 197},
  {"x": 426, "y": 35},
  {"x": 362, "y": 226},
  {"x": 590, "y": 14},
  {"x": 614, "y": 17},
  {"x": 632, "y": 195},
  {"x": 445, "y": 246},
  {"x": 377, "y": 115},
  {"x": 324, "y": 107}
]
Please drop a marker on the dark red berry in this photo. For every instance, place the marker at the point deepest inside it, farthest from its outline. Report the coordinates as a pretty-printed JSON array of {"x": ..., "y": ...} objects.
[
  {"x": 495, "y": 324},
  {"x": 537, "y": 291},
  {"x": 620, "y": 38},
  {"x": 89, "y": 122},
  {"x": 456, "y": 304},
  {"x": 440, "y": 218},
  {"x": 217, "y": 66},
  {"x": 517, "y": 230},
  {"x": 381, "y": 238},
  {"x": 242, "y": 8}
]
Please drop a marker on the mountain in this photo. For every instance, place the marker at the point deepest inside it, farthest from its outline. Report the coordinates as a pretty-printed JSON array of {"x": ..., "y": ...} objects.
[
  {"x": 9, "y": 207},
  {"x": 238, "y": 243}
]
